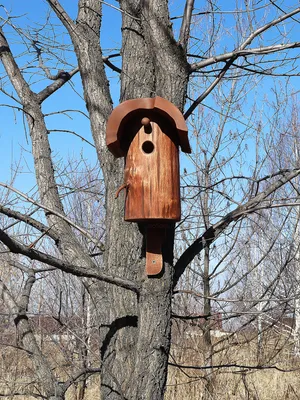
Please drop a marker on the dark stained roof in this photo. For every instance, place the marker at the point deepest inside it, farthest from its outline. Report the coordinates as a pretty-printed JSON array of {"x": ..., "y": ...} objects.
[{"x": 131, "y": 108}]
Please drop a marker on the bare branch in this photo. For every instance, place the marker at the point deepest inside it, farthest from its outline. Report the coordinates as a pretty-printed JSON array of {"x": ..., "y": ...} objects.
[
  {"x": 58, "y": 214},
  {"x": 12, "y": 69},
  {"x": 63, "y": 16},
  {"x": 246, "y": 52},
  {"x": 243, "y": 368},
  {"x": 232, "y": 59},
  {"x": 211, "y": 234},
  {"x": 26, "y": 336},
  {"x": 120, "y": 10},
  {"x": 208, "y": 12},
  {"x": 267, "y": 26},
  {"x": 111, "y": 65},
  {"x": 76, "y": 378},
  {"x": 186, "y": 24},
  {"x": 18, "y": 248},
  {"x": 209, "y": 89},
  {"x": 22, "y": 394},
  {"x": 72, "y": 133},
  {"x": 62, "y": 78},
  {"x": 28, "y": 220}
]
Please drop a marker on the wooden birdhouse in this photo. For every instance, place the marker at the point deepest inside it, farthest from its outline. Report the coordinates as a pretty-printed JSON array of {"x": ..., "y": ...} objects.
[{"x": 148, "y": 133}]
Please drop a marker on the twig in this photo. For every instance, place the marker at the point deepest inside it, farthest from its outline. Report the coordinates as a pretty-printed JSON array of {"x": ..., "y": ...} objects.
[
  {"x": 211, "y": 234},
  {"x": 19, "y": 248},
  {"x": 73, "y": 133},
  {"x": 234, "y": 365},
  {"x": 235, "y": 55},
  {"x": 81, "y": 230}
]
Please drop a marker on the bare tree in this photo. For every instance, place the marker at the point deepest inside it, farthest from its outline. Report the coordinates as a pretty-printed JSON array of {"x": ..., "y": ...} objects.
[{"x": 132, "y": 311}]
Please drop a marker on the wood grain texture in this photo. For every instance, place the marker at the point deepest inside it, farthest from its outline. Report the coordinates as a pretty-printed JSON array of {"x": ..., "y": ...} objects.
[
  {"x": 152, "y": 176},
  {"x": 154, "y": 258}
]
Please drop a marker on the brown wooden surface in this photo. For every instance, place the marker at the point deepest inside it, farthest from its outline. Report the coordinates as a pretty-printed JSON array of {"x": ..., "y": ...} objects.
[
  {"x": 121, "y": 117},
  {"x": 153, "y": 190},
  {"x": 154, "y": 259}
]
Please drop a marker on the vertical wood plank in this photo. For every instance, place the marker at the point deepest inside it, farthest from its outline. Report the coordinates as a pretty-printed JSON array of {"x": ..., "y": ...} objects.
[{"x": 152, "y": 175}]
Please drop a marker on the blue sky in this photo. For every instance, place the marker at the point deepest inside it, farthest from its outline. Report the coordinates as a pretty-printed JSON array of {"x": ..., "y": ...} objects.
[{"x": 15, "y": 145}]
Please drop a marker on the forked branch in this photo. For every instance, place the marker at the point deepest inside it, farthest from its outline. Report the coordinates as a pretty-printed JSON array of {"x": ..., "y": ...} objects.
[
  {"x": 186, "y": 24},
  {"x": 230, "y": 59},
  {"x": 212, "y": 233},
  {"x": 56, "y": 213},
  {"x": 77, "y": 270}
]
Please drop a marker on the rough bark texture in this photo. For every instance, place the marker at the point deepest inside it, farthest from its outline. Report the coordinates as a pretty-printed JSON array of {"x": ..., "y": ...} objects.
[
  {"x": 135, "y": 332},
  {"x": 134, "y": 325},
  {"x": 152, "y": 65},
  {"x": 25, "y": 337}
]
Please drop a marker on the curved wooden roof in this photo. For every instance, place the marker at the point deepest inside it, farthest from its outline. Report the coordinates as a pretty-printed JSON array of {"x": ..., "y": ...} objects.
[{"x": 125, "y": 111}]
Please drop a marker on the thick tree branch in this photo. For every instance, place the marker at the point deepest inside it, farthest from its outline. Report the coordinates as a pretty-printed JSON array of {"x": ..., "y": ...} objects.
[
  {"x": 77, "y": 270},
  {"x": 40, "y": 144},
  {"x": 56, "y": 213},
  {"x": 13, "y": 71},
  {"x": 242, "y": 53},
  {"x": 209, "y": 89},
  {"x": 68, "y": 244},
  {"x": 211, "y": 234},
  {"x": 186, "y": 24},
  {"x": 26, "y": 336},
  {"x": 111, "y": 65},
  {"x": 28, "y": 220},
  {"x": 62, "y": 78},
  {"x": 167, "y": 57},
  {"x": 86, "y": 39}
]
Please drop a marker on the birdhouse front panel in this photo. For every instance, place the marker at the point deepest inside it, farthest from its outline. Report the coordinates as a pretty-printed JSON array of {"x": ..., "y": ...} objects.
[
  {"x": 152, "y": 174},
  {"x": 148, "y": 132}
]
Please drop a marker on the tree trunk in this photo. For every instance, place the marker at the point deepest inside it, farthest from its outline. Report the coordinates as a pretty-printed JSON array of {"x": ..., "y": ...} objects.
[
  {"x": 134, "y": 324},
  {"x": 134, "y": 332},
  {"x": 207, "y": 339},
  {"x": 297, "y": 280},
  {"x": 135, "y": 364}
]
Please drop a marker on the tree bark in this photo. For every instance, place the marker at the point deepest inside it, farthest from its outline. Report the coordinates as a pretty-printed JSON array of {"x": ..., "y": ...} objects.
[
  {"x": 153, "y": 64},
  {"x": 135, "y": 332},
  {"x": 26, "y": 339},
  {"x": 134, "y": 325}
]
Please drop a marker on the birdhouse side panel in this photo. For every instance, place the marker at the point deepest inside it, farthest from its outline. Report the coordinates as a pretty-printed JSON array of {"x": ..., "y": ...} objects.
[{"x": 152, "y": 176}]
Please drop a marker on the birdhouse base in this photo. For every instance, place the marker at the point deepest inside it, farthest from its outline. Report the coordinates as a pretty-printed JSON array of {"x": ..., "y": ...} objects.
[{"x": 154, "y": 241}]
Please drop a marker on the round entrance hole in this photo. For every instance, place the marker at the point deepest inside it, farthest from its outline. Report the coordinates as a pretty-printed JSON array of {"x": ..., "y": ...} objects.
[{"x": 147, "y": 147}]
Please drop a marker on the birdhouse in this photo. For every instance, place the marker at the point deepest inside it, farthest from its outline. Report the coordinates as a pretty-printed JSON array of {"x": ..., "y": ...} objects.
[{"x": 148, "y": 133}]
